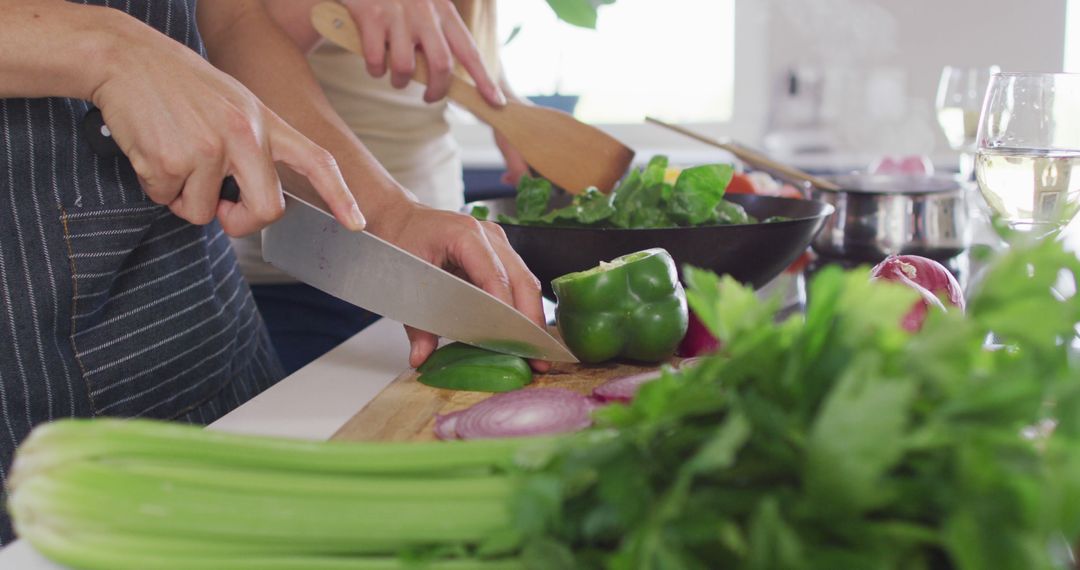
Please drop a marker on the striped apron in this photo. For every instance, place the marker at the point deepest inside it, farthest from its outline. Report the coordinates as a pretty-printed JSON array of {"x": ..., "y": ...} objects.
[{"x": 109, "y": 304}]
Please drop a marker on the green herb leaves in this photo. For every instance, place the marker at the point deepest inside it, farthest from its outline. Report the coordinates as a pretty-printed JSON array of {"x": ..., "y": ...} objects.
[
  {"x": 533, "y": 195},
  {"x": 839, "y": 440},
  {"x": 642, "y": 200},
  {"x": 698, "y": 192}
]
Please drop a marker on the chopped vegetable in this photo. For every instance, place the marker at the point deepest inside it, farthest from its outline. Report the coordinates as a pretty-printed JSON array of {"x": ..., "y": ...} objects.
[
  {"x": 533, "y": 195},
  {"x": 623, "y": 389},
  {"x": 480, "y": 212},
  {"x": 732, "y": 213},
  {"x": 688, "y": 362},
  {"x": 935, "y": 284},
  {"x": 741, "y": 184},
  {"x": 697, "y": 193},
  {"x": 446, "y": 425},
  {"x": 458, "y": 366},
  {"x": 632, "y": 308},
  {"x": 644, "y": 199},
  {"x": 521, "y": 413}
]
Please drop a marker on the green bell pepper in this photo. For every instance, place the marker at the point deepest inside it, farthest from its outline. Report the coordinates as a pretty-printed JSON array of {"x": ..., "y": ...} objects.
[
  {"x": 633, "y": 307},
  {"x": 458, "y": 366}
]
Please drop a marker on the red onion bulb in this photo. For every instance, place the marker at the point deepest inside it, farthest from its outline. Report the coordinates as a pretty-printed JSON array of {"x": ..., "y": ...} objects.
[
  {"x": 930, "y": 279},
  {"x": 698, "y": 340}
]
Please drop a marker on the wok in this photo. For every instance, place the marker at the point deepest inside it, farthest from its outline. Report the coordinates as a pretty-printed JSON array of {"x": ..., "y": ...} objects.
[{"x": 751, "y": 253}]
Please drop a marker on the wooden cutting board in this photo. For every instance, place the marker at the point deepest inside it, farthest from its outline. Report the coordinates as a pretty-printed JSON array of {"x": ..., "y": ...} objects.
[{"x": 405, "y": 410}]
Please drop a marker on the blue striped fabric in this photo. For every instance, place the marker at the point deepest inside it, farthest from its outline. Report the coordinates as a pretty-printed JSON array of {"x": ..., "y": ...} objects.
[{"x": 109, "y": 304}]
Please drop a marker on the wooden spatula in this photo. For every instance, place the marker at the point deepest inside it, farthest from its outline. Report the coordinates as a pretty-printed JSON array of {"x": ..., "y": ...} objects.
[{"x": 570, "y": 153}]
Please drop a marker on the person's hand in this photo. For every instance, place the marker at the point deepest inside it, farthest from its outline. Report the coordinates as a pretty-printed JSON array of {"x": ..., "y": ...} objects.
[
  {"x": 477, "y": 251},
  {"x": 515, "y": 162},
  {"x": 401, "y": 27},
  {"x": 185, "y": 126}
]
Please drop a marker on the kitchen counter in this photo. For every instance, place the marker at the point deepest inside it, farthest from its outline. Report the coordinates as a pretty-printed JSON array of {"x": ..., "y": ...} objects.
[{"x": 311, "y": 404}]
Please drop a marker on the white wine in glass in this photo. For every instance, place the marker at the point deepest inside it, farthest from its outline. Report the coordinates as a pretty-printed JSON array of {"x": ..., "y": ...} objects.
[
  {"x": 1031, "y": 189},
  {"x": 1028, "y": 144},
  {"x": 960, "y": 126},
  {"x": 959, "y": 100}
]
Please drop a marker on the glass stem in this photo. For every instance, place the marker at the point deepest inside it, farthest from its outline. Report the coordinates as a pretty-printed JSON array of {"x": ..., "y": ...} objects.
[{"x": 967, "y": 166}]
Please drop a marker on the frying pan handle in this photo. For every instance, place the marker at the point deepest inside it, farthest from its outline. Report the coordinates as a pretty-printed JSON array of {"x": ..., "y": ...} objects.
[{"x": 99, "y": 136}]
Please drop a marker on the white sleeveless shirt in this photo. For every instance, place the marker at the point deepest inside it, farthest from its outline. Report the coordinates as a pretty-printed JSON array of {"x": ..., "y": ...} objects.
[{"x": 409, "y": 137}]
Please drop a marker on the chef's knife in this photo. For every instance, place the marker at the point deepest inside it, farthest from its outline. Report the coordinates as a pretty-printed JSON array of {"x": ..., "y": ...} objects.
[{"x": 309, "y": 244}]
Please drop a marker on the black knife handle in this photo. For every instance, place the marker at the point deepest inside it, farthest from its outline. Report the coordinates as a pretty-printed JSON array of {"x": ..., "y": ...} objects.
[{"x": 99, "y": 136}]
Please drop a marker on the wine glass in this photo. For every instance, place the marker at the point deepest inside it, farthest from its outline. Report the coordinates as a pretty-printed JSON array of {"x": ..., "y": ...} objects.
[
  {"x": 1027, "y": 143},
  {"x": 959, "y": 100}
]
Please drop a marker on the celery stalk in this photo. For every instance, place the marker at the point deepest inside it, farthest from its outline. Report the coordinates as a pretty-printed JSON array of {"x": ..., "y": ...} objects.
[
  {"x": 89, "y": 551},
  {"x": 138, "y": 494},
  {"x": 87, "y": 439},
  {"x": 104, "y": 496}
]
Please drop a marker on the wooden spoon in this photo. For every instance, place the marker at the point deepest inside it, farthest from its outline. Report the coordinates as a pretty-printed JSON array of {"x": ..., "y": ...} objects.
[{"x": 571, "y": 154}]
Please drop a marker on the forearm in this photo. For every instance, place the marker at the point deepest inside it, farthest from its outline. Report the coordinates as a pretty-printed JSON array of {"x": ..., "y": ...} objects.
[
  {"x": 247, "y": 44},
  {"x": 294, "y": 18},
  {"x": 51, "y": 48}
]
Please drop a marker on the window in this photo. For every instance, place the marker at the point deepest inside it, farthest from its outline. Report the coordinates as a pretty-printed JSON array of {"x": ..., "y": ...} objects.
[
  {"x": 1072, "y": 42},
  {"x": 698, "y": 62},
  {"x": 673, "y": 59}
]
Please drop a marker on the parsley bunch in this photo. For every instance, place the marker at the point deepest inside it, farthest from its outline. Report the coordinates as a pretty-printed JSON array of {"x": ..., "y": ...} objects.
[{"x": 836, "y": 440}]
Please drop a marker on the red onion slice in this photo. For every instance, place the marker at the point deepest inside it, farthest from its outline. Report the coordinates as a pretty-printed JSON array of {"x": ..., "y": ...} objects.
[
  {"x": 446, "y": 425},
  {"x": 523, "y": 413},
  {"x": 688, "y": 362},
  {"x": 623, "y": 389}
]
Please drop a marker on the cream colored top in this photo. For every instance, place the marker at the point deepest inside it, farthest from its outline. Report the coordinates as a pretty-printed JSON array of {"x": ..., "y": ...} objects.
[{"x": 409, "y": 137}]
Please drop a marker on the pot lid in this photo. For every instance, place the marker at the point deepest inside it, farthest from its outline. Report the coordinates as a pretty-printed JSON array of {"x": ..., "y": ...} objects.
[{"x": 894, "y": 183}]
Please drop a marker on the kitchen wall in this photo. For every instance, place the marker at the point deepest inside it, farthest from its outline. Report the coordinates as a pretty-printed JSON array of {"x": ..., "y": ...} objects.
[{"x": 867, "y": 46}]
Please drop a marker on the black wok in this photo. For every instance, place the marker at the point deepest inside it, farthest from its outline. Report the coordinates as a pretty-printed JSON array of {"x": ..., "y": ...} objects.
[{"x": 751, "y": 253}]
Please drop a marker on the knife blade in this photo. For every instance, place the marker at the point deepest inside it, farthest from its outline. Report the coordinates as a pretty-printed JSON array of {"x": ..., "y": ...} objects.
[
  {"x": 365, "y": 270},
  {"x": 385, "y": 279}
]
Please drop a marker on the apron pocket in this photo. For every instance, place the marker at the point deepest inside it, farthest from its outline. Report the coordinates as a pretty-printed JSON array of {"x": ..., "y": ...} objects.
[{"x": 161, "y": 316}]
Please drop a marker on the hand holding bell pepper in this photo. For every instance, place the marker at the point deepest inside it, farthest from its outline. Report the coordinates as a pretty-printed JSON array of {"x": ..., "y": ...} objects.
[{"x": 633, "y": 307}]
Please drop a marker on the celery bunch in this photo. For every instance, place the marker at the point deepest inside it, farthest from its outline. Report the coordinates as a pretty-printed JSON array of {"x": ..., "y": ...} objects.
[{"x": 113, "y": 495}]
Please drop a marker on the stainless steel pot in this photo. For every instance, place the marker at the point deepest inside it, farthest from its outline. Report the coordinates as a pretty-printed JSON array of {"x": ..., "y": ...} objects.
[{"x": 879, "y": 215}]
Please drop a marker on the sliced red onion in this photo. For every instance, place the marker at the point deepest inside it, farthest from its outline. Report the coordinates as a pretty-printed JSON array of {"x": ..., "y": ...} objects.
[
  {"x": 520, "y": 413},
  {"x": 446, "y": 425},
  {"x": 623, "y": 389},
  {"x": 688, "y": 362}
]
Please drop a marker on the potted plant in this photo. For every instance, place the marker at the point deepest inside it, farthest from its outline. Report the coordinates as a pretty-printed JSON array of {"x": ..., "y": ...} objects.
[{"x": 581, "y": 13}]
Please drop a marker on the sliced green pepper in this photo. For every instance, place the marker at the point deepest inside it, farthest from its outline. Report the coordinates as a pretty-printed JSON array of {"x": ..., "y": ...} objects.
[
  {"x": 633, "y": 307},
  {"x": 458, "y": 366}
]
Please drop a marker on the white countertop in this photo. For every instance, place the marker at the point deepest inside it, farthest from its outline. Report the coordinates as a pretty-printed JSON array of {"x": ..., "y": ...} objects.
[{"x": 311, "y": 404}]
